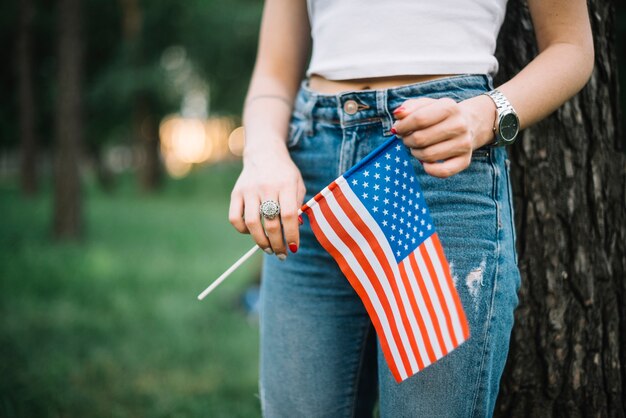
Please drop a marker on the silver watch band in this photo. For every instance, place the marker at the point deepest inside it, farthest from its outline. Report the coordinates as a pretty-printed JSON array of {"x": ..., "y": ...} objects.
[
  {"x": 502, "y": 103},
  {"x": 503, "y": 107}
]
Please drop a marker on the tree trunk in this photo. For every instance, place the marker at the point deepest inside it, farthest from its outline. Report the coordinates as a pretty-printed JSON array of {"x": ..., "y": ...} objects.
[
  {"x": 145, "y": 131},
  {"x": 26, "y": 99},
  {"x": 67, "y": 208},
  {"x": 568, "y": 348}
]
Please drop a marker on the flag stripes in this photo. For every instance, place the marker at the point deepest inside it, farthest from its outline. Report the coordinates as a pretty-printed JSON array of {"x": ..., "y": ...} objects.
[{"x": 413, "y": 304}]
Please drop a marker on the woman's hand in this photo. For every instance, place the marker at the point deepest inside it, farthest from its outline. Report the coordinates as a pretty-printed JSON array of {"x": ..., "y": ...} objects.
[
  {"x": 268, "y": 174},
  {"x": 442, "y": 133}
]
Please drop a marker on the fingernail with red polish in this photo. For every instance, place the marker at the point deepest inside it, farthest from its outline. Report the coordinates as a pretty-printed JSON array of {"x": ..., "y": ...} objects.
[
  {"x": 293, "y": 247},
  {"x": 398, "y": 110},
  {"x": 300, "y": 221},
  {"x": 393, "y": 131}
]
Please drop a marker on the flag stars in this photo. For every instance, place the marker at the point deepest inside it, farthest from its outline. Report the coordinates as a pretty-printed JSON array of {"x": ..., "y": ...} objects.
[
  {"x": 375, "y": 209},
  {"x": 398, "y": 147},
  {"x": 417, "y": 195},
  {"x": 385, "y": 212},
  {"x": 366, "y": 185},
  {"x": 376, "y": 187},
  {"x": 387, "y": 178},
  {"x": 421, "y": 234},
  {"x": 414, "y": 229},
  {"x": 394, "y": 216},
  {"x": 403, "y": 197},
  {"x": 411, "y": 189},
  {"x": 396, "y": 193},
  {"x": 397, "y": 159},
  {"x": 404, "y": 174},
  {"x": 387, "y": 190},
  {"x": 403, "y": 186},
  {"x": 366, "y": 173},
  {"x": 387, "y": 167},
  {"x": 392, "y": 238},
  {"x": 388, "y": 156},
  {"x": 422, "y": 222},
  {"x": 397, "y": 171},
  {"x": 429, "y": 227},
  {"x": 355, "y": 182},
  {"x": 375, "y": 198},
  {"x": 405, "y": 163},
  {"x": 376, "y": 176},
  {"x": 397, "y": 253},
  {"x": 377, "y": 164},
  {"x": 365, "y": 195},
  {"x": 402, "y": 209},
  {"x": 395, "y": 204},
  {"x": 411, "y": 179},
  {"x": 423, "y": 211},
  {"x": 386, "y": 201},
  {"x": 384, "y": 223}
]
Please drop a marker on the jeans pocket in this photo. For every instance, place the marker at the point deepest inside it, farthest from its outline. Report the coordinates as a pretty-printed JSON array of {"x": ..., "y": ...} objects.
[{"x": 296, "y": 130}]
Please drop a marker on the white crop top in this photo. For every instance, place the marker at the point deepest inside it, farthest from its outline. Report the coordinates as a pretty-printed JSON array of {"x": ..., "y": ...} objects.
[{"x": 373, "y": 38}]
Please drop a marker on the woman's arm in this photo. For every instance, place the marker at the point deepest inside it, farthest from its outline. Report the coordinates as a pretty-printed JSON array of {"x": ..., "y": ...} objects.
[
  {"x": 444, "y": 130},
  {"x": 268, "y": 171},
  {"x": 282, "y": 53}
]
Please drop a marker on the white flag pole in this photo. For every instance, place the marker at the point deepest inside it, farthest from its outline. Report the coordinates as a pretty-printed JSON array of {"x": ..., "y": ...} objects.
[
  {"x": 232, "y": 268},
  {"x": 228, "y": 272}
]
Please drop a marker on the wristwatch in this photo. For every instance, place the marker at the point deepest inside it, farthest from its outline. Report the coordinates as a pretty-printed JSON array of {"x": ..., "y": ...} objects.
[{"x": 506, "y": 126}]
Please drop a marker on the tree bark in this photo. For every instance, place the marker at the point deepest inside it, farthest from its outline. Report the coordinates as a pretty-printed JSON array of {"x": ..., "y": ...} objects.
[
  {"x": 26, "y": 99},
  {"x": 568, "y": 348},
  {"x": 67, "y": 209}
]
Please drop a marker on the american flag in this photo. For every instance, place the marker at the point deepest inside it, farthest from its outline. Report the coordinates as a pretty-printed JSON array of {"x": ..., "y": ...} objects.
[{"x": 374, "y": 222}]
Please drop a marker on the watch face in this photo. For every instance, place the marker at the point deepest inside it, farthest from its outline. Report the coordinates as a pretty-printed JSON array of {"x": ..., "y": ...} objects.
[{"x": 509, "y": 126}]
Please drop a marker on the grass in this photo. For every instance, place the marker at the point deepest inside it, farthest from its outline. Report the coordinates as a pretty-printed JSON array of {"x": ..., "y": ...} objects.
[{"x": 110, "y": 326}]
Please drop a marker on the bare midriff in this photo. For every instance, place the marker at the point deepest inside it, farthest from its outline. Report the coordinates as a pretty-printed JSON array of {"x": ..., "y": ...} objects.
[{"x": 322, "y": 85}]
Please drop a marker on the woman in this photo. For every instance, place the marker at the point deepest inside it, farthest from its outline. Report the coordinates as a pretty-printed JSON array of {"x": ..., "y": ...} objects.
[{"x": 417, "y": 70}]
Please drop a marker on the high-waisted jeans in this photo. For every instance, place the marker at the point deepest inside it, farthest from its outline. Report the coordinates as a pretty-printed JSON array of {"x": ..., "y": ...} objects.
[{"x": 319, "y": 352}]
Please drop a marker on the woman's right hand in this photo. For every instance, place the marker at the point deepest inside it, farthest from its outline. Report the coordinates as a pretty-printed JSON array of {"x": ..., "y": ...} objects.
[{"x": 268, "y": 174}]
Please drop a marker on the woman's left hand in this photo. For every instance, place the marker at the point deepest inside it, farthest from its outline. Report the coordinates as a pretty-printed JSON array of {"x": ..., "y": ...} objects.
[{"x": 442, "y": 133}]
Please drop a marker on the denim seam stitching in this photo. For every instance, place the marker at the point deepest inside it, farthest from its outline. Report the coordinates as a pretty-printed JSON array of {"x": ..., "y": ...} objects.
[
  {"x": 509, "y": 189},
  {"x": 359, "y": 369},
  {"x": 481, "y": 372}
]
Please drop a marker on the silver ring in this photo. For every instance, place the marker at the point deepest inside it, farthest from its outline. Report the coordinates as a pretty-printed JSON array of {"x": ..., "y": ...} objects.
[{"x": 269, "y": 209}]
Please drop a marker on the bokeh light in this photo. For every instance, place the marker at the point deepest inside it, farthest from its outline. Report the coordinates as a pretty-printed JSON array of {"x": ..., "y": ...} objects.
[{"x": 187, "y": 141}]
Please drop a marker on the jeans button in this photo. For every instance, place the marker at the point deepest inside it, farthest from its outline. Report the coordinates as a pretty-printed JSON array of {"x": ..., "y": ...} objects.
[{"x": 350, "y": 107}]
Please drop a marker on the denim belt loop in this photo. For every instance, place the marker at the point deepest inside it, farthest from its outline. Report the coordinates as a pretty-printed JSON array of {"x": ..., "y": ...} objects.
[
  {"x": 308, "y": 114},
  {"x": 382, "y": 105}
]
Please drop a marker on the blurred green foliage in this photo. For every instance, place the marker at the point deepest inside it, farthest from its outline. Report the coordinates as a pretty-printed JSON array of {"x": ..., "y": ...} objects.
[
  {"x": 111, "y": 327},
  {"x": 219, "y": 37}
]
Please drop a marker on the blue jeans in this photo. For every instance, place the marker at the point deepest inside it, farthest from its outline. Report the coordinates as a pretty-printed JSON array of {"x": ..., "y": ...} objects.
[{"x": 319, "y": 352}]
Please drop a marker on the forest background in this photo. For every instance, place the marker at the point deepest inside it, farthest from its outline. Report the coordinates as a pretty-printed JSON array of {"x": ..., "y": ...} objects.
[{"x": 120, "y": 140}]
